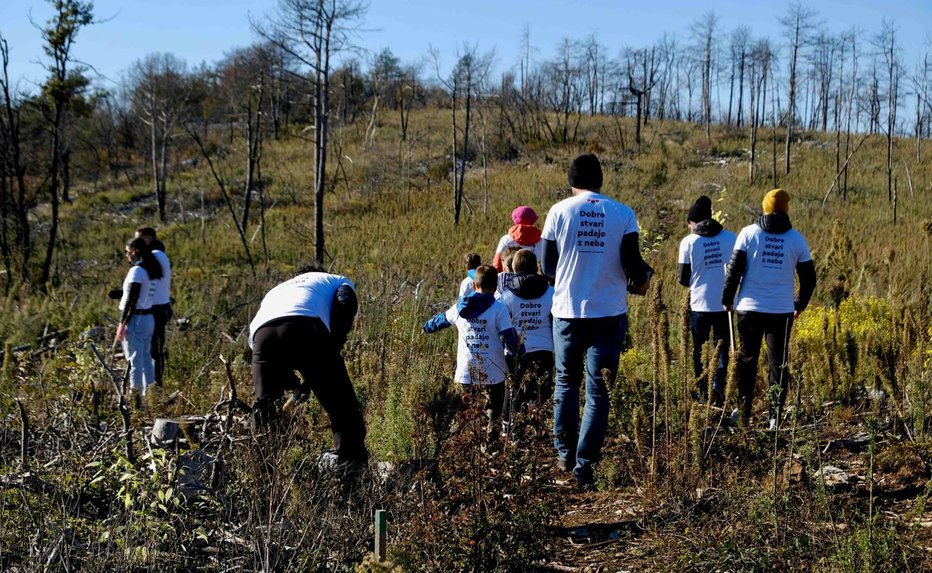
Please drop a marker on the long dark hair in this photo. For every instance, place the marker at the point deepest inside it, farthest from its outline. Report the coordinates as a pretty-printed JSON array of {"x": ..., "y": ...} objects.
[{"x": 149, "y": 262}]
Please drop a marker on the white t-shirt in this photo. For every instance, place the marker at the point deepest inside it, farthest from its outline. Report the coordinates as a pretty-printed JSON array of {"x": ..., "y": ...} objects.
[
  {"x": 707, "y": 257},
  {"x": 309, "y": 294},
  {"x": 508, "y": 241},
  {"x": 161, "y": 288},
  {"x": 467, "y": 286},
  {"x": 587, "y": 229},
  {"x": 139, "y": 275},
  {"x": 531, "y": 318},
  {"x": 768, "y": 281},
  {"x": 480, "y": 352}
]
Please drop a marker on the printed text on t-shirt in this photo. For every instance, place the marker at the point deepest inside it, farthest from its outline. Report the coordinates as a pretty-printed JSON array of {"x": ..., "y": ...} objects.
[
  {"x": 772, "y": 255},
  {"x": 590, "y": 234},
  {"x": 712, "y": 254}
]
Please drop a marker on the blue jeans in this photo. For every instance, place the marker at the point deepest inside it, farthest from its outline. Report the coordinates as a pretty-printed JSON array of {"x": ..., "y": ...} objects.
[
  {"x": 137, "y": 348},
  {"x": 714, "y": 325},
  {"x": 597, "y": 343}
]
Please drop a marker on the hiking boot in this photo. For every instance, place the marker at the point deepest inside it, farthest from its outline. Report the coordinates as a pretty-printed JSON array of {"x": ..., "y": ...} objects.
[
  {"x": 565, "y": 465},
  {"x": 586, "y": 486}
]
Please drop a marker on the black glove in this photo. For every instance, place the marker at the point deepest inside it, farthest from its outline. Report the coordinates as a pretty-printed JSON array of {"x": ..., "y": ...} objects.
[
  {"x": 647, "y": 272},
  {"x": 116, "y": 294}
]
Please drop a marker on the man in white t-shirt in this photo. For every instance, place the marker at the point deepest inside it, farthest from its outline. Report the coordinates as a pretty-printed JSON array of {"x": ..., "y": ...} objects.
[
  {"x": 484, "y": 328},
  {"x": 161, "y": 299},
  {"x": 591, "y": 248},
  {"x": 702, "y": 268},
  {"x": 766, "y": 257},
  {"x": 302, "y": 325}
]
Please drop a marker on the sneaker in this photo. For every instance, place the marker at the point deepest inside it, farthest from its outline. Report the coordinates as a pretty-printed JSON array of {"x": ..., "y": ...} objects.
[
  {"x": 735, "y": 417},
  {"x": 772, "y": 427},
  {"x": 565, "y": 465}
]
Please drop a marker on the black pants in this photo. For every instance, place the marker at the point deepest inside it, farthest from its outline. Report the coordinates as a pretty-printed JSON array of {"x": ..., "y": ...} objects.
[
  {"x": 303, "y": 344},
  {"x": 775, "y": 328},
  {"x": 533, "y": 378},
  {"x": 714, "y": 326},
  {"x": 162, "y": 314}
]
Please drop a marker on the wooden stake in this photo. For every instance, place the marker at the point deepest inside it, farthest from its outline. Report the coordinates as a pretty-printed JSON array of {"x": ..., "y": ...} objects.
[
  {"x": 381, "y": 534},
  {"x": 731, "y": 329}
]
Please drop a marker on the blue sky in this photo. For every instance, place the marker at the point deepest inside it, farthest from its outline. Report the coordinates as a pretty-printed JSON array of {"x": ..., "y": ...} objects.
[{"x": 202, "y": 30}]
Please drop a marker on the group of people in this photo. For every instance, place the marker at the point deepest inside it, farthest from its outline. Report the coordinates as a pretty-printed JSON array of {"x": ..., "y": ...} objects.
[
  {"x": 589, "y": 249},
  {"x": 552, "y": 307},
  {"x": 145, "y": 309}
]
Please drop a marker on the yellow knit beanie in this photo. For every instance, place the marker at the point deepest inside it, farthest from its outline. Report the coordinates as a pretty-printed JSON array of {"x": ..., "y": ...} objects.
[{"x": 776, "y": 201}]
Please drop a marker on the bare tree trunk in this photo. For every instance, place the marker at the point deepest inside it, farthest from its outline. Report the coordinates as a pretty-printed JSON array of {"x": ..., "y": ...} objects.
[
  {"x": 163, "y": 172},
  {"x": 16, "y": 168},
  {"x": 253, "y": 142},
  {"x": 54, "y": 168},
  {"x": 456, "y": 187},
  {"x": 752, "y": 104}
]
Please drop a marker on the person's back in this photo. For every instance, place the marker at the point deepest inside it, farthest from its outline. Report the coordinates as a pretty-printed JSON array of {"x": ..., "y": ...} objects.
[
  {"x": 587, "y": 229},
  {"x": 774, "y": 249},
  {"x": 702, "y": 257},
  {"x": 529, "y": 299},
  {"x": 302, "y": 325},
  {"x": 484, "y": 329},
  {"x": 767, "y": 256},
  {"x": 161, "y": 288},
  {"x": 706, "y": 250},
  {"x": 308, "y": 294},
  {"x": 522, "y": 235},
  {"x": 473, "y": 262},
  {"x": 591, "y": 249}
]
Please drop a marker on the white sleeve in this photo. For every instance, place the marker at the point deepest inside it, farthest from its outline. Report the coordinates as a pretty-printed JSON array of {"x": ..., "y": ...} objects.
[
  {"x": 502, "y": 244},
  {"x": 684, "y": 251},
  {"x": 451, "y": 314},
  {"x": 804, "y": 254},
  {"x": 632, "y": 225},
  {"x": 549, "y": 232},
  {"x": 741, "y": 243}
]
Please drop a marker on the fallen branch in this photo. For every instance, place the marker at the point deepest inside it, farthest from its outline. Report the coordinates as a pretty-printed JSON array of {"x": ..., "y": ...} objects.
[
  {"x": 119, "y": 384},
  {"x": 909, "y": 178},
  {"x": 234, "y": 403},
  {"x": 843, "y": 167}
]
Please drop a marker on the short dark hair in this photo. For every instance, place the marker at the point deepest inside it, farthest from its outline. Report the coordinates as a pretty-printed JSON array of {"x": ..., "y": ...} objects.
[
  {"x": 486, "y": 278},
  {"x": 146, "y": 232},
  {"x": 525, "y": 262},
  {"x": 473, "y": 260},
  {"x": 314, "y": 267}
]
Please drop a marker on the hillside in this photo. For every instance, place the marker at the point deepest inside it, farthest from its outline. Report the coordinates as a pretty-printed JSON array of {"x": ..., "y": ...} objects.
[{"x": 678, "y": 488}]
